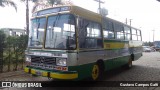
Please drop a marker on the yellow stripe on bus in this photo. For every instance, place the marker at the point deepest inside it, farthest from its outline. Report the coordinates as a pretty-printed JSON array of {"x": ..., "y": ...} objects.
[
  {"x": 26, "y": 70},
  {"x": 33, "y": 71},
  {"x": 63, "y": 76},
  {"x": 45, "y": 74},
  {"x": 55, "y": 75},
  {"x": 115, "y": 45}
]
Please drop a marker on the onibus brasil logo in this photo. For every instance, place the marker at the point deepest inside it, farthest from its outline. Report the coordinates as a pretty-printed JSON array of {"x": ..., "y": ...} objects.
[{"x": 8, "y": 84}]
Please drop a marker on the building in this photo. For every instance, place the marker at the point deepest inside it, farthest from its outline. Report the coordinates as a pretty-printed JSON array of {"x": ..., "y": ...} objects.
[{"x": 13, "y": 31}]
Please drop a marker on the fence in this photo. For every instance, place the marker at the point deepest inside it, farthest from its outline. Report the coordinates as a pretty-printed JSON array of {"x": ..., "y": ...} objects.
[{"x": 12, "y": 53}]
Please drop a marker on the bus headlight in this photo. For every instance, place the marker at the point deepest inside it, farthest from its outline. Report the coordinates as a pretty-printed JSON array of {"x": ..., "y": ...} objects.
[
  {"x": 28, "y": 58},
  {"x": 61, "y": 61}
]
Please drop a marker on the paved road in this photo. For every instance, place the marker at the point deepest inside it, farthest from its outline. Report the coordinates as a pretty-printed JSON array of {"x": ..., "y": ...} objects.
[{"x": 147, "y": 68}]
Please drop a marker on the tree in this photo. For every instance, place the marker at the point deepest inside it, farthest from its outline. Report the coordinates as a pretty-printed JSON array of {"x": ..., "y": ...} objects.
[
  {"x": 4, "y": 3},
  {"x": 27, "y": 13},
  {"x": 2, "y": 39}
]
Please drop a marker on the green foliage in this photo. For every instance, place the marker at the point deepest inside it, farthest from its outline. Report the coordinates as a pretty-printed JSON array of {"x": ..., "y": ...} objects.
[
  {"x": 4, "y": 3},
  {"x": 2, "y": 34},
  {"x": 14, "y": 50},
  {"x": 2, "y": 39}
]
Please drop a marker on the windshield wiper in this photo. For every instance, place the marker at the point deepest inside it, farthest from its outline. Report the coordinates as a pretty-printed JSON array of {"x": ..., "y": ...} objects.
[
  {"x": 37, "y": 30},
  {"x": 55, "y": 41},
  {"x": 54, "y": 24}
]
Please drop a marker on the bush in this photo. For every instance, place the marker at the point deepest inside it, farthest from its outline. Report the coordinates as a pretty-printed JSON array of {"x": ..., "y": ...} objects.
[
  {"x": 2, "y": 39},
  {"x": 14, "y": 51}
]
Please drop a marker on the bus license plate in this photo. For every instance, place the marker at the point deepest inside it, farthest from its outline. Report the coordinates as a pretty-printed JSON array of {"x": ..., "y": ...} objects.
[{"x": 39, "y": 73}]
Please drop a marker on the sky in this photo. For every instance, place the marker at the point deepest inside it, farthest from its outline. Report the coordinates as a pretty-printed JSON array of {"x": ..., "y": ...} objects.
[{"x": 144, "y": 14}]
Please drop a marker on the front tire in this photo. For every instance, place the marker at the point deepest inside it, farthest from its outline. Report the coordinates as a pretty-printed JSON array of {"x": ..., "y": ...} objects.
[{"x": 97, "y": 72}]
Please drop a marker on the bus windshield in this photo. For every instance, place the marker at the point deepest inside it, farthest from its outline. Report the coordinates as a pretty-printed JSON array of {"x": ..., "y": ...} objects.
[
  {"x": 60, "y": 32},
  {"x": 37, "y": 32}
]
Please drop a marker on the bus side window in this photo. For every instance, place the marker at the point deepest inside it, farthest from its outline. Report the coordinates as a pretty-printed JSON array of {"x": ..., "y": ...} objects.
[
  {"x": 119, "y": 31},
  {"x": 139, "y": 35},
  {"x": 134, "y": 34},
  {"x": 89, "y": 33},
  {"x": 127, "y": 33},
  {"x": 110, "y": 35},
  {"x": 108, "y": 29},
  {"x": 83, "y": 24}
]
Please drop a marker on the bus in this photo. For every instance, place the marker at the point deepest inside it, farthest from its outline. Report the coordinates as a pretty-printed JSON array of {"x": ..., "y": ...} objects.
[
  {"x": 156, "y": 45},
  {"x": 72, "y": 43}
]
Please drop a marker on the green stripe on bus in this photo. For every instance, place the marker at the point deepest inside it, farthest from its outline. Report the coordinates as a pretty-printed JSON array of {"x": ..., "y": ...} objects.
[{"x": 121, "y": 41}]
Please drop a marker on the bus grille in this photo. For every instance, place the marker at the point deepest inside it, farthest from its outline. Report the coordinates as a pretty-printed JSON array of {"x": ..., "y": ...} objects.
[{"x": 43, "y": 60}]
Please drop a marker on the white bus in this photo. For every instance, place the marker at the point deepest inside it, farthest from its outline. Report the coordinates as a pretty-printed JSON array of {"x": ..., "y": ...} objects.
[{"x": 72, "y": 43}]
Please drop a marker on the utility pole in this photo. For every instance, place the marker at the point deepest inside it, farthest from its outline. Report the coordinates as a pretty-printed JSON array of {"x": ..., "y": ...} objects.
[
  {"x": 153, "y": 35},
  {"x": 27, "y": 17},
  {"x": 99, "y": 1},
  {"x": 126, "y": 21},
  {"x": 130, "y": 22}
]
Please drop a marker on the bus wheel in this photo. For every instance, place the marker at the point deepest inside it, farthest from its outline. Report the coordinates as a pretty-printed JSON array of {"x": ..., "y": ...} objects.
[{"x": 96, "y": 72}]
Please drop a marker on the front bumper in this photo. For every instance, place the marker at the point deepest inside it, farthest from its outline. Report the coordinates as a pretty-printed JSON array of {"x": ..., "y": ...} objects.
[{"x": 67, "y": 75}]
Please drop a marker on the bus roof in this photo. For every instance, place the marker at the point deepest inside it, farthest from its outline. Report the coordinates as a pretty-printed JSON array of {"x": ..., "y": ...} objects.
[{"x": 87, "y": 14}]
